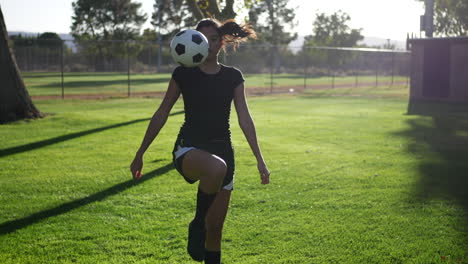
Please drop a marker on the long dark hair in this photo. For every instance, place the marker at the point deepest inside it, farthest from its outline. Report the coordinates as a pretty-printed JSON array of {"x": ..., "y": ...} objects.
[{"x": 229, "y": 31}]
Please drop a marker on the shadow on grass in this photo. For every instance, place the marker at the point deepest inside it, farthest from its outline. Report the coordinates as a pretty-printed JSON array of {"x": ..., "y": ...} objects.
[
  {"x": 441, "y": 141},
  {"x": 12, "y": 226},
  {"x": 55, "y": 140},
  {"x": 100, "y": 83}
]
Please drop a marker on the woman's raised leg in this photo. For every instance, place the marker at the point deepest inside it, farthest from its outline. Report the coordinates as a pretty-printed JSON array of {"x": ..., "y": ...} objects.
[{"x": 210, "y": 170}]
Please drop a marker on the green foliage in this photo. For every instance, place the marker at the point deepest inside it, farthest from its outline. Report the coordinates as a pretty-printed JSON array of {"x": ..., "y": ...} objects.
[
  {"x": 451, "y": 17},
  {"x": 106, "y": 20},
  {"x": 23, "y": 41},
  {"x": 110, "y": 22},
  {"x": 45, "y": 40},
  {"x": 50, "y": 40},
  {"x": 172, "y": 16},
  {"x": 333, "y": 31},
  {"x": 273, "y": 20}
]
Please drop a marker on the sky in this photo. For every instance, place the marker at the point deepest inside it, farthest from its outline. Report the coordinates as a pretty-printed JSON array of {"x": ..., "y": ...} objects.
[{"x": 388, "y": 19}]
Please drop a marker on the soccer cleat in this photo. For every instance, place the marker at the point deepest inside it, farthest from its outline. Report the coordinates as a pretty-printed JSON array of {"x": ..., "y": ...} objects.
[{"x": 196, "y": 241}]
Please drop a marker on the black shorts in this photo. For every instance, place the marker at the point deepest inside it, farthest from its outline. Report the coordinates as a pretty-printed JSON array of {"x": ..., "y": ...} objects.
[{"x": 219, "y": 147}]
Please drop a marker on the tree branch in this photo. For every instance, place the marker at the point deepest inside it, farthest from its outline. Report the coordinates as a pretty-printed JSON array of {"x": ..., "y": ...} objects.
[
  {"x": 213, "y": 9},
  {"x": 192, "y": 5}
]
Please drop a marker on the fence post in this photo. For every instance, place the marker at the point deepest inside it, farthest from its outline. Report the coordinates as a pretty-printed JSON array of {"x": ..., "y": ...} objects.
[
  {"x": 305, "y": 69},
  {"x": 159, "y": 53},
  {"x": 356, "y": 71},
  {"x": 377, "y": 71},
  {"x": 271, "y": 68},
  {"x": 393, "y": 67},
  {"x": 128, "y": 68},
  {"x": 61, "y": 67},
  {"x": 149, "y": 57},
  {"x": 332, "y": 71}
]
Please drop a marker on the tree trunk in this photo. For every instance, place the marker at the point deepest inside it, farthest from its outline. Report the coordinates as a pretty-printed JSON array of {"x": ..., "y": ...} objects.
[
  {"x": 15, "y": 102},
  {"x": 228, "y": 11}
]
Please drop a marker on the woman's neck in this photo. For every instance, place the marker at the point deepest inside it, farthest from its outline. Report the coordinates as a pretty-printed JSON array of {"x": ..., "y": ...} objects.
[{"x": 210, "y": 66}]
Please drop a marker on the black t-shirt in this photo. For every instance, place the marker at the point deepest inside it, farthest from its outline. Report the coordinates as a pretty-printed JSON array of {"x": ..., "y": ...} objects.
[{"x": 207, "y": 101}]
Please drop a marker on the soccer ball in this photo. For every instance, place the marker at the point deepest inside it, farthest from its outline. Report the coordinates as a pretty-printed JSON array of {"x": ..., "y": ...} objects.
[{"x": 189, "y": 48}]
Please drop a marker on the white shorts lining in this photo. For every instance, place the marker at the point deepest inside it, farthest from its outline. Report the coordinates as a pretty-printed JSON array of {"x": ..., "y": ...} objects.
[{"x": 181, "y": 151}]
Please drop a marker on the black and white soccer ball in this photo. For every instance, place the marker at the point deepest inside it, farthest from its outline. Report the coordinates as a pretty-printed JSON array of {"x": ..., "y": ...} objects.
[{"x": 189, "y": 48}]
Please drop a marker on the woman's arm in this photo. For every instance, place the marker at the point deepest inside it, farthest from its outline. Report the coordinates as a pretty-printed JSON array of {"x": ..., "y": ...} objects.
[
  {"x": 157, "y": 122},
  {"x": 247, "y": 125}
]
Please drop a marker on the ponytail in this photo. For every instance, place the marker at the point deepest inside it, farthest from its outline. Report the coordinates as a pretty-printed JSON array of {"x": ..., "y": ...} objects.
[{"x": 230, "y": 31}]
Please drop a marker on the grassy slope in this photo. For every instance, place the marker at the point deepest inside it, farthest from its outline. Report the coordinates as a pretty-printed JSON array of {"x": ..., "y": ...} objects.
[{"x": 354, "y": 180}]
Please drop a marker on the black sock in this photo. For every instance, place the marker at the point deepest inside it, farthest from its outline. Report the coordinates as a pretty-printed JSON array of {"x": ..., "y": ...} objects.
[
  {"x": 212, "y": 257},
  {"x": 204, "y": 201}
]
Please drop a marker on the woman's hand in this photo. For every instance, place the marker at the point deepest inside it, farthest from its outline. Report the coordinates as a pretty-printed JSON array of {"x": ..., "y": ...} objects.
[
  {"x": 136, "y": 167},
  {"x": 264, "y": 172}
]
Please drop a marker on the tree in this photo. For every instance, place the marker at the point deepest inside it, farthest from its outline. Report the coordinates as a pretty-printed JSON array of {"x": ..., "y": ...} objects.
[
  {"x": 212, "y": 8},
  {"x": 451, "y": 17},
  {"x": 333, "y": 31},
  {"x": 107, "y": 20},
  {"x": 99, "y": 25},
  {"x": 15, "y": 102},
  {"x": 173, "y": 15},
  {"x": 330, "y": 31},
  {"x": 269, "y": 18},
  {"x": 49, "y": 40}
]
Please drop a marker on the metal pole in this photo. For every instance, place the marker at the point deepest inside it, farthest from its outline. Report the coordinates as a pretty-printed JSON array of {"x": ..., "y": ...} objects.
[
  {"x": 333, "y": 78},
  {"x": 356, "y": 74},
  {"x": 128, "y": 68},
  {"x": 160, "y": 6},
  {"x": 149, "y": 57},
  {"x": 305, "y": 72},
  {"x": 61, "y": 68},
  {"x": 393, "y": 67},
  {"x": 377, "y": 71},
  {"x": 355, "y": 79},
  {"x": 429, "y": 17},
  {"x": 271, "y": 71},
  {"x": 328, "y": 62}
]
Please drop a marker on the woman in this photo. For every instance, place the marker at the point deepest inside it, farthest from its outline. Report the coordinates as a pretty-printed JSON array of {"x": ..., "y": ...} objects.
[{"x": 203, "y": 150}]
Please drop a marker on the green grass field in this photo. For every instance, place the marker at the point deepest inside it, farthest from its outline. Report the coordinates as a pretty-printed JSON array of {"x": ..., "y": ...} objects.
[
  {"x": 117, "y": 83},
  {"x": 354, "y": 180}
]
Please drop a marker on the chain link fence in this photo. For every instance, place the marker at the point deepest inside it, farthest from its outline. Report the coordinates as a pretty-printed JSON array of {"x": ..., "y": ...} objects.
[{"x": 126, "y": 68}]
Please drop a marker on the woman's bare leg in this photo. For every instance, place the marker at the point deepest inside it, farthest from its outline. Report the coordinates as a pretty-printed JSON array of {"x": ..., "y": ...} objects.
[
  {"x": 210, "y": 170},
  {"x": 215, "y": 220}
]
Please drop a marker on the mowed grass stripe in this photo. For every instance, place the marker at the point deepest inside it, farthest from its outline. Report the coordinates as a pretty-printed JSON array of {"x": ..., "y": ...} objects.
[{"x": 353, "y": 181}]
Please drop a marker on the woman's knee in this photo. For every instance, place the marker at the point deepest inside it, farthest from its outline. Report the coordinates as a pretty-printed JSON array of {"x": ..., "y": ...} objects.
[{"x": 216, "y": 171}]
